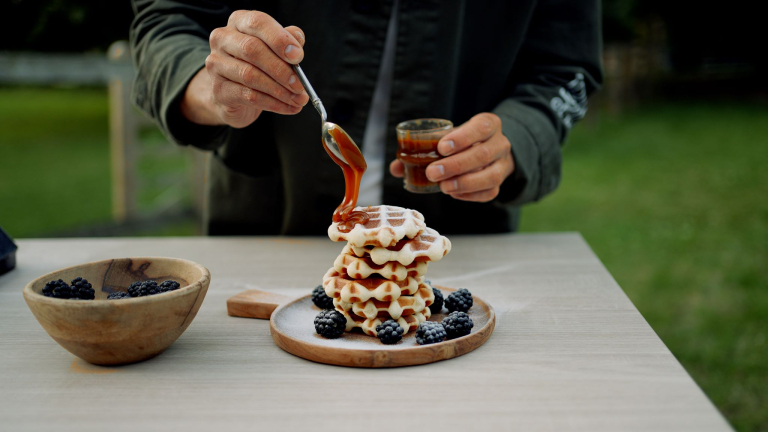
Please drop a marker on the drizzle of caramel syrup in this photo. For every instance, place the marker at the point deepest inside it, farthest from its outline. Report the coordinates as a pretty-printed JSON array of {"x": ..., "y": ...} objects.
[{"x": 353, "y": 174}]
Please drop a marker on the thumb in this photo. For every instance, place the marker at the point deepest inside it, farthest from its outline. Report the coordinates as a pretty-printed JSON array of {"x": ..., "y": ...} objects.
[{"x": 397, "y": 168}]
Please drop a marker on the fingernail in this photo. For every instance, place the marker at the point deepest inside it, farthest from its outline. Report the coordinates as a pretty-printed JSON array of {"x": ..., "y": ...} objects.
[
  {"x": 295, "y": 85},
  {"x": 449, "y": 186},
  {"x": 435, "y": 172},
  {"x": 446, "y": 147},
  {"x": 292, "y": 52},
  {"x": 299, "y": 37},
  {"x": 298, "y": 99}
]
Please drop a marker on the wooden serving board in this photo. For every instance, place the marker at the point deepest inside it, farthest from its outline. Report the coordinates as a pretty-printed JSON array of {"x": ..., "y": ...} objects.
[{"x": 292, "y": 328}]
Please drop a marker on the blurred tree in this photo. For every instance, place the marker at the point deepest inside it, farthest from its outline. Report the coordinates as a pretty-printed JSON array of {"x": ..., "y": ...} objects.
[
  {"x": 700, "y": 34},
  {"x": 618, "y": 20},
  {"x": 59, "y": 25}
]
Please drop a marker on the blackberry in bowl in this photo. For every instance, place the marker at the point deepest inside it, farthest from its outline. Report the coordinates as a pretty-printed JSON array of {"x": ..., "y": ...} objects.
[{"x": 119, "y": 330}]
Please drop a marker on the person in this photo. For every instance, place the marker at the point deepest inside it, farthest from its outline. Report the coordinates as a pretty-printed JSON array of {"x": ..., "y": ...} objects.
[{"x": 513, "y": 77}]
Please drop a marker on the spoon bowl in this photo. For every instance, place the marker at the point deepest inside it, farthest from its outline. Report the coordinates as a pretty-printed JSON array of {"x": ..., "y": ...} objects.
[{"x": 330, "y": 142}]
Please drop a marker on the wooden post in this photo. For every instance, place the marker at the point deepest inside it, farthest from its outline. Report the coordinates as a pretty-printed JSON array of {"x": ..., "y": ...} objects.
[
  {"x": 123, "y": 133},
  {"x": 197, "y": 179}
]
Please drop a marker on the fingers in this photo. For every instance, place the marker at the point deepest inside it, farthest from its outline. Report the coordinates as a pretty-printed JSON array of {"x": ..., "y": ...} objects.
[
  {"x": 256, "y": 52},
  {"x": 246, "y": 74},
  {"x": 477, "y": 156},
  {"x": 260, "y": 25},
  {"x": 478, "y": 160},
  {"x": 477, "y": 129},
  {"x": 234, "y": 114},
  {"x": 481, "y": 196},
  {"x": 397, "y": 168},
  {"x": 471, "y": 187},
  {"x": 487, "y": 178},
  {"x": 234, "y": 97},
  {"x": 297, "y": 33}
]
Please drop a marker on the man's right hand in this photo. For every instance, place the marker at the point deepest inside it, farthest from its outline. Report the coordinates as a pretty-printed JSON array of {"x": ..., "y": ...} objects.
[{"x": 248, "y": 71}]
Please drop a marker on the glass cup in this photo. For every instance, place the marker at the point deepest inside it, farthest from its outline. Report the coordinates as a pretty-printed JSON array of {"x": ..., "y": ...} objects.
[{"x": 417, "y": 147}]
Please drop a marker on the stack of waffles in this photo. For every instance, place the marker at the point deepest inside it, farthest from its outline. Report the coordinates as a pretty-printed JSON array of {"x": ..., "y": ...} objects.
[{"x": 380, "y": 274}]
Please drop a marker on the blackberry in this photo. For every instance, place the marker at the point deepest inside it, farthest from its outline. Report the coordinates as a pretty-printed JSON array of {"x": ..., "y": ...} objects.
[
  {"x": 57, "y": 289},
  {"x": 169, "y": 285},
  {"x": 82, "y": 289},
  {"x": 321, "y": 299},
  {"x": 460, "y": 300},
  {"x": 118, "y": 295},
  {"x": 430, "y": 332},
  {"x": 143, "y": 288},
  {"x": 330, "y": 324},
  {"x": 389, "y": 332},
  {"x": 437, "y": 306},
  {"x": 457, "y": 324}
]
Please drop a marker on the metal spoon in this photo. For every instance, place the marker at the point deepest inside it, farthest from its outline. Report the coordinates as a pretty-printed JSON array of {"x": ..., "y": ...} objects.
[{"x": 327, "y": 126}]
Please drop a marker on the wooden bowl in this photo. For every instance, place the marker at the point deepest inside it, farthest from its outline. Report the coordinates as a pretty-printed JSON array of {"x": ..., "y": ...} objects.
[{"x": 111, "y": 332}]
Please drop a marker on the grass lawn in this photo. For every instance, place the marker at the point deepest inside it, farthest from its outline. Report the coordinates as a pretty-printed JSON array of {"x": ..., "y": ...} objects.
[
  {"x": 672, "y": 198},
  {"x": 54, "y": 159},
  {"x": 55, "y": 166}
]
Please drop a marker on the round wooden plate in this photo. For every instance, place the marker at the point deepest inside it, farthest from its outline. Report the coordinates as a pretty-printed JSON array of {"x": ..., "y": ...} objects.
[{"x": 292, "y": 328}]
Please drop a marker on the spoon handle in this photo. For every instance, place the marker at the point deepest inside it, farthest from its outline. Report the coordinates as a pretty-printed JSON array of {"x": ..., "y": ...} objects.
[{"x": 311, "y": 92}]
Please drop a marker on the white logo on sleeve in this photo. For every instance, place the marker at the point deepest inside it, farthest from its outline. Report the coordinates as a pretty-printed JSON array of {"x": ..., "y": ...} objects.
[{"x": 571, "y": 104}]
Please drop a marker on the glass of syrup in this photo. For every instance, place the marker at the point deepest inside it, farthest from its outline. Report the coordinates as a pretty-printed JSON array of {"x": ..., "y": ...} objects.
[{"x": 417, "y": 147}]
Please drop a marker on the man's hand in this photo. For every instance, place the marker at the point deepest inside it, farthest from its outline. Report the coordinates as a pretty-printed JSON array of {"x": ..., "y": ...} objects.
[
  {"x": 478, "y": 158},
  {"x": 248, "y": 71}
]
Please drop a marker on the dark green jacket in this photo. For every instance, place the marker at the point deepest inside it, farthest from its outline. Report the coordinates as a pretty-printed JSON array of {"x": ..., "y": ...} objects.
[{"x": 532, "y": 62}]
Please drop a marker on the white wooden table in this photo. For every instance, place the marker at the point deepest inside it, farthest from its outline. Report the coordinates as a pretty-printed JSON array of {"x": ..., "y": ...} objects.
[{"x": 570, "y": 351}]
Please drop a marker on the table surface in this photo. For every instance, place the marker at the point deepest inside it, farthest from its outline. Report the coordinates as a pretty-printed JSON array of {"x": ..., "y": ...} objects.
[{"x": 570, "y": 350}]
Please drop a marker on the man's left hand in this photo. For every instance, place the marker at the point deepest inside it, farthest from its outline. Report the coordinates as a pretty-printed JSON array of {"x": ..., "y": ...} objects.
[{"x": 477, "y": 160}]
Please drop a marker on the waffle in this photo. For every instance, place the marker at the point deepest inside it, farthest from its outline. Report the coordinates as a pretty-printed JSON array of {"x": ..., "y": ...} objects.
[
  {"x": 368, "y": 326},
  {"x": 349, "y": 290},
  {"x": 385, "y": 227},
  {"x": 360, "y": 268},
  {"x": 403, "y": 306},
  {"x": 429, "y": 246}
]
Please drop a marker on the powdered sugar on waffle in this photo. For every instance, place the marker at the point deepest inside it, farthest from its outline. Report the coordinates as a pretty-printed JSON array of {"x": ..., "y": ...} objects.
[
  {"x": 354, "y": 291},
  {"x": 403, "y": 306},
  {"x": 385, "y": 227},
  {"x": 429, "y": 246},
  {"x": 368, "y": 325},
  {"x": 360, "y": 268}
]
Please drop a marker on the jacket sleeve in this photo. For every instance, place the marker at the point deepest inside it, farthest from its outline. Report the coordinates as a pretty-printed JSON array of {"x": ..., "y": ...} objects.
[
  {"x": 558, "y": 66},
  {"x": 169, "y": 44}
]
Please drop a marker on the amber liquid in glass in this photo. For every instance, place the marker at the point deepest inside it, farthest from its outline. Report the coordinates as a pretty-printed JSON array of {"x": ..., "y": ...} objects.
[{"x": 416, "y": 154}]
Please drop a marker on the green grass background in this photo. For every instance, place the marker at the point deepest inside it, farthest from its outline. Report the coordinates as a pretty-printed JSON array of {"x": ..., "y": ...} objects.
[
  {"x": 671, "y": 197},
  {"x": 54, "y": 159},
  {"x": 55, "y": 163}
]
